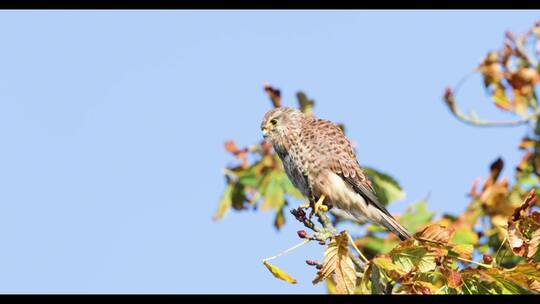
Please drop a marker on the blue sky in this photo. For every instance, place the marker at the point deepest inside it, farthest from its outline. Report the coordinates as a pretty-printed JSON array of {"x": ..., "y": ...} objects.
[{"x": 112, "y": 125}]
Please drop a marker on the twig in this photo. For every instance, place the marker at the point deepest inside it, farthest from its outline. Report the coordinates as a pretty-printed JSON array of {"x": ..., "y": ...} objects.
[
  {"x": 288, "y": 250},
  {"x": 357, "y": 250},
  {"x": 473, "y": 262},
  {"x": 450, "y": 101},
  {"x": 520, "y": 47},
  {"x": 357, "y": 261},
  {"x": 498, "y": 251}
]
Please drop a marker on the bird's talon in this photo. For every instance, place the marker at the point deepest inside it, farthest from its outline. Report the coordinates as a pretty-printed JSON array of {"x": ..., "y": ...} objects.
[
  {"x": 304, "y": 206},
  {"x": 319, "y": 205}
]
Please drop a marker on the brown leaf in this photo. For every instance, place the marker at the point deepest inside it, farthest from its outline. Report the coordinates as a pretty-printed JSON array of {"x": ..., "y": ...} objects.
[
  {"x": 474, "y": 186},
  {"x": 279, "y": 221},
  {"x": 491, "y": 69},
  {"x": 523, "y": 80},
  {"x": 518, "y": 223},
  {"x": 525, "y": 161},
  {"x": 274, "y": 94},
  {"x": 495, "y": 169},
  {"x": 453, "y": 278},
  {"x": 515, "y": 238},
  {"x": 529, "y": 201},
  {"x": 526, "y": 143},
  {"x": 230, "y": 146},
  {"x": 534, "y": 285},
  {"x": 436, "y": 233},
  {"x": 533, "y": 244},
  {"x": 338, "y": 262}
]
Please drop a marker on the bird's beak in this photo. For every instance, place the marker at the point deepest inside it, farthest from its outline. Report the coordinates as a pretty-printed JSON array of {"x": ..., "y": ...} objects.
[{"x": 265, "y": 132}]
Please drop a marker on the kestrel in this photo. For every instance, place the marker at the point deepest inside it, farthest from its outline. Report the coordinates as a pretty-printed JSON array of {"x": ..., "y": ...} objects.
[{"x": 320, "y": 161}]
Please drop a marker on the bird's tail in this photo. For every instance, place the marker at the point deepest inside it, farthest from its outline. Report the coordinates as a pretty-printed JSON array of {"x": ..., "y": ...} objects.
[{"x": 391, "y": 224}]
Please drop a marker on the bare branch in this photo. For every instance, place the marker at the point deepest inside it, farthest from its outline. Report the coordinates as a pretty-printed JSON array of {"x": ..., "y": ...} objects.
[
  {"x": 450, "y": 101},
  {"x": 519, "y": 43}
]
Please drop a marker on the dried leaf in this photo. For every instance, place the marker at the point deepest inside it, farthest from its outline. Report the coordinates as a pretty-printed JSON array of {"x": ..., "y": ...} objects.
[
  {"x": 495, "y": 170},
  {"x": 230, "y": 146},
  {"x": 515, "y": 238},
  {"x": 274, "y": 94},
  {"x": 523, "y": 231},
  {"x": 338, "y": 262},
  {"x": 529, "y": 201},
  {"x": 436, "y": 233},
  {"x": 453, "y": 278},
  {"x": 491, "y": 69},
  {"x": 533, "y": 244},
  {"x": 278, "y": 273},
  {"x": 279, "y": 221}
]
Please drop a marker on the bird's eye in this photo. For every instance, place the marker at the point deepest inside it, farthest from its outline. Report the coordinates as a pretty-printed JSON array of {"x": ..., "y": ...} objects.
[{"x": 273, "y": 121}]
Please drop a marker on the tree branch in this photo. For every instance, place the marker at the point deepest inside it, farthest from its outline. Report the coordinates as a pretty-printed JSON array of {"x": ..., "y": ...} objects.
[
  {"x": 323, "y": 233},
  {"x": 450, "y": 101}
]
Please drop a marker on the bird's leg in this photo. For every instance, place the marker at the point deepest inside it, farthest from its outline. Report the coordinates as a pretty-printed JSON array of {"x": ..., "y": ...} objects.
[{"x": 318, "y": 206}]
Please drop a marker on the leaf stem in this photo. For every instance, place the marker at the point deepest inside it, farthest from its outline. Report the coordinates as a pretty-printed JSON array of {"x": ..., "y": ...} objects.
[
  {"x": 357, "y": 250},
  {"x": 498, "y": 251},
  {"x": 288, "y": 250},
  {"x": 473, "y": 262}
]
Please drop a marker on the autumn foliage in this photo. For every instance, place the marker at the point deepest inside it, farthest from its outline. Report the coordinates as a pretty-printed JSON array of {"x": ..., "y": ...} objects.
[{"x": 489, "y": 248}]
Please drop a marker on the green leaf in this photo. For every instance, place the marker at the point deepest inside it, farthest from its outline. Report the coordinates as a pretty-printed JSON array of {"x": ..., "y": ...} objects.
[
  {"x": 392, "y": 270},
  {"x": 465, "y": 236},
  {"x": 274, "y": 195},
  {"x": 289, "y": 187},
  {"x": 507, "y": 286},
  {"x": 409, "y": 257},
  {"x": 416, "y": 216},
  {"x": 248, "y": 178},
  {"x": 374, "y": 245},
  {"x": 238, "y": 196},
  {"x": 386, "y": 187}
]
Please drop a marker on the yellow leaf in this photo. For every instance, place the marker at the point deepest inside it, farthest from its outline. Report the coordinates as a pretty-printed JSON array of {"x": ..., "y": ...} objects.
[
  {"x": 338, "y": 262},
  {"x": 392, "y": 270},
  {"x": 280, "y": 218},
  {"x": 224, "y": 204},
  {"x": 500, "y": 98},
  {"x": 278, "y": 273},
  {"x": 463, "y": 250}
]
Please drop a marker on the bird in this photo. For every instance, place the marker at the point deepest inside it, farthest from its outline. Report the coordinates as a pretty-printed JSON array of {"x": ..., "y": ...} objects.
[{"x": 320, "y": 162}]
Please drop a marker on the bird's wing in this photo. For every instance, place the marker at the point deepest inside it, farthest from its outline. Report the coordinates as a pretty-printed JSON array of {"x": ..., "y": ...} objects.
[{"x": 344, "y": 163}]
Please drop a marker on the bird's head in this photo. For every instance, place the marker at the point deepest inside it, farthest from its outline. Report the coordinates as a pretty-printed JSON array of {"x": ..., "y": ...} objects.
[{"x": 280, "y": 121}]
